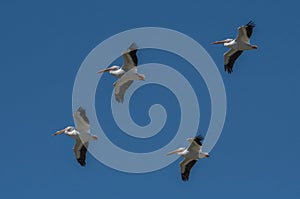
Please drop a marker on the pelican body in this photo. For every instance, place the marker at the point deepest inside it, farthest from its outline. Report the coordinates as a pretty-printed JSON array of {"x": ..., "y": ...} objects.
[
  {"x": 191, "y": 155},
  {"x": 81, "y": 134},
  {"x": 126, "y": 74},
  {"x": 237, "y": 45}
]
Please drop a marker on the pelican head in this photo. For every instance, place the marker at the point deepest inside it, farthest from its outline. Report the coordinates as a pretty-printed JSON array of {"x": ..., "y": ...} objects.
[
  {"x": 65, "y": 130},
  {"x": 113, "y": 68},
  {"x": 223, "y": 41}
]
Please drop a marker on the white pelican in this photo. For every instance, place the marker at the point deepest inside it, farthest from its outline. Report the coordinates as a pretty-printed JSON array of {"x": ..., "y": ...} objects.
[
  {"x": 237, "y": 45},
  {"x": 81, "y": 133},
  {"x": 126, "y": 74},
  {"x": 191, "y": 155}
]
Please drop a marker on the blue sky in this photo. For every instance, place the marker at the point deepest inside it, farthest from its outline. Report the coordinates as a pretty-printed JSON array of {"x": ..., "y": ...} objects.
[{"x": 43, "y": 45}]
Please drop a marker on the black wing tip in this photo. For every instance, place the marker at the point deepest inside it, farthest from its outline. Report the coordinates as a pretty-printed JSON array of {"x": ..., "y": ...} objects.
[
  {"x": 228, "y": 69},
  {"x": 229, "y": 66},
  {"x": 134, "y": 57},
  {"x": 184, "y": 177},
  {"x": 198, "y": 139},
  {"x": 81, "y": 162},
  {"x": 251, "y": 24},
  {"x": 81, "y": 159}
]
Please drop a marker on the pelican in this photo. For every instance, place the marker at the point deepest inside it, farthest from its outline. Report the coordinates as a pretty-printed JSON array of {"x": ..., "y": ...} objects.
[
  {"x": 237, "y": 45},
  {"x": 191, "y": 155},
  {"x": 126, "y": 74},
  {"x": 81, "y": 133}
]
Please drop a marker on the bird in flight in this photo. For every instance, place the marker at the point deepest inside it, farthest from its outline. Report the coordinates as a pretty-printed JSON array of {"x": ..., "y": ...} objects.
[
  {"x": 237, "y": 45},
  {"x": 126, "y": 74},
  {"x": 191, "y": 155},
  {"x": 81, "y": 133}
]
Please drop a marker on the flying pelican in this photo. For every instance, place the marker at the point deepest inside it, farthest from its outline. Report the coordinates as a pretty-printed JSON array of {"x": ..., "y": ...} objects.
[
  {"x": 81, "y": 133},
  {"x": 126, "y": 74},
  {"x": 191, "y": 155},
  {"x": 237, "y": 45}
]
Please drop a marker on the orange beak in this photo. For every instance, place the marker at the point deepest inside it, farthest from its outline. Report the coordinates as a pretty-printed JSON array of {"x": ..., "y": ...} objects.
[
  {"x": 176, "y": 151},
  {"x": 105, "y": 70},
  {"x": 219, "y": 42},
  {"x": 59, "y": 132}
]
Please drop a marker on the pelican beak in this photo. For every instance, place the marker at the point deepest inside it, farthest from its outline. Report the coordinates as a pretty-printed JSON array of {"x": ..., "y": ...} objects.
[
  {"x": 175, "y": 151},
  {"x": 105, "y": 70},
  {"x": 219, "y": 42},
  {"x": 59, "y": 132},
  {"x": 171, "y": 153}
]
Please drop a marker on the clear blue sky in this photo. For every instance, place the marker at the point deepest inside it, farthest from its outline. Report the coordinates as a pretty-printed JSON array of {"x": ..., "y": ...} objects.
[{"x": 42, "y": 46}]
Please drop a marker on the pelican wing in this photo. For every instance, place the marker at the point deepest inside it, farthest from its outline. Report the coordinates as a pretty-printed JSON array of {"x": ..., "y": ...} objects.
[
  {"x": 77, "y": 147},
  {"x": 245, "y": 32},
  {"x": 229, "y": 59},
  {"x": 129, "y": 58},
  {"x": 120, "y": 90},
  {"x": 80, "y": 150},
  {"x": 194, "y": 147},
  {"x": 186, "y": 166},
  {"x": 81, "y": 120},
  {"x": 196, "y": 144},
  {"x": 123, "y": 84}
]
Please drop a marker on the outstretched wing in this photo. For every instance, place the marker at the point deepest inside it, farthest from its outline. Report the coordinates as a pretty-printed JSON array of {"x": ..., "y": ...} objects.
[
  {"x": 245, "y": 32},
  {"x": 80, "y": 150},
  {"x": 123, "y": 84},
  {"x": 81, "y": 120},
  {"x": 129, "y": 58},
  {"x": 186, "y": 167},
  {"x": 229, "y": 59},
  {"x": 198, "y": 139},
  {"x": 120, "y": 90},
  {"x": 196, "y": 144}
]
